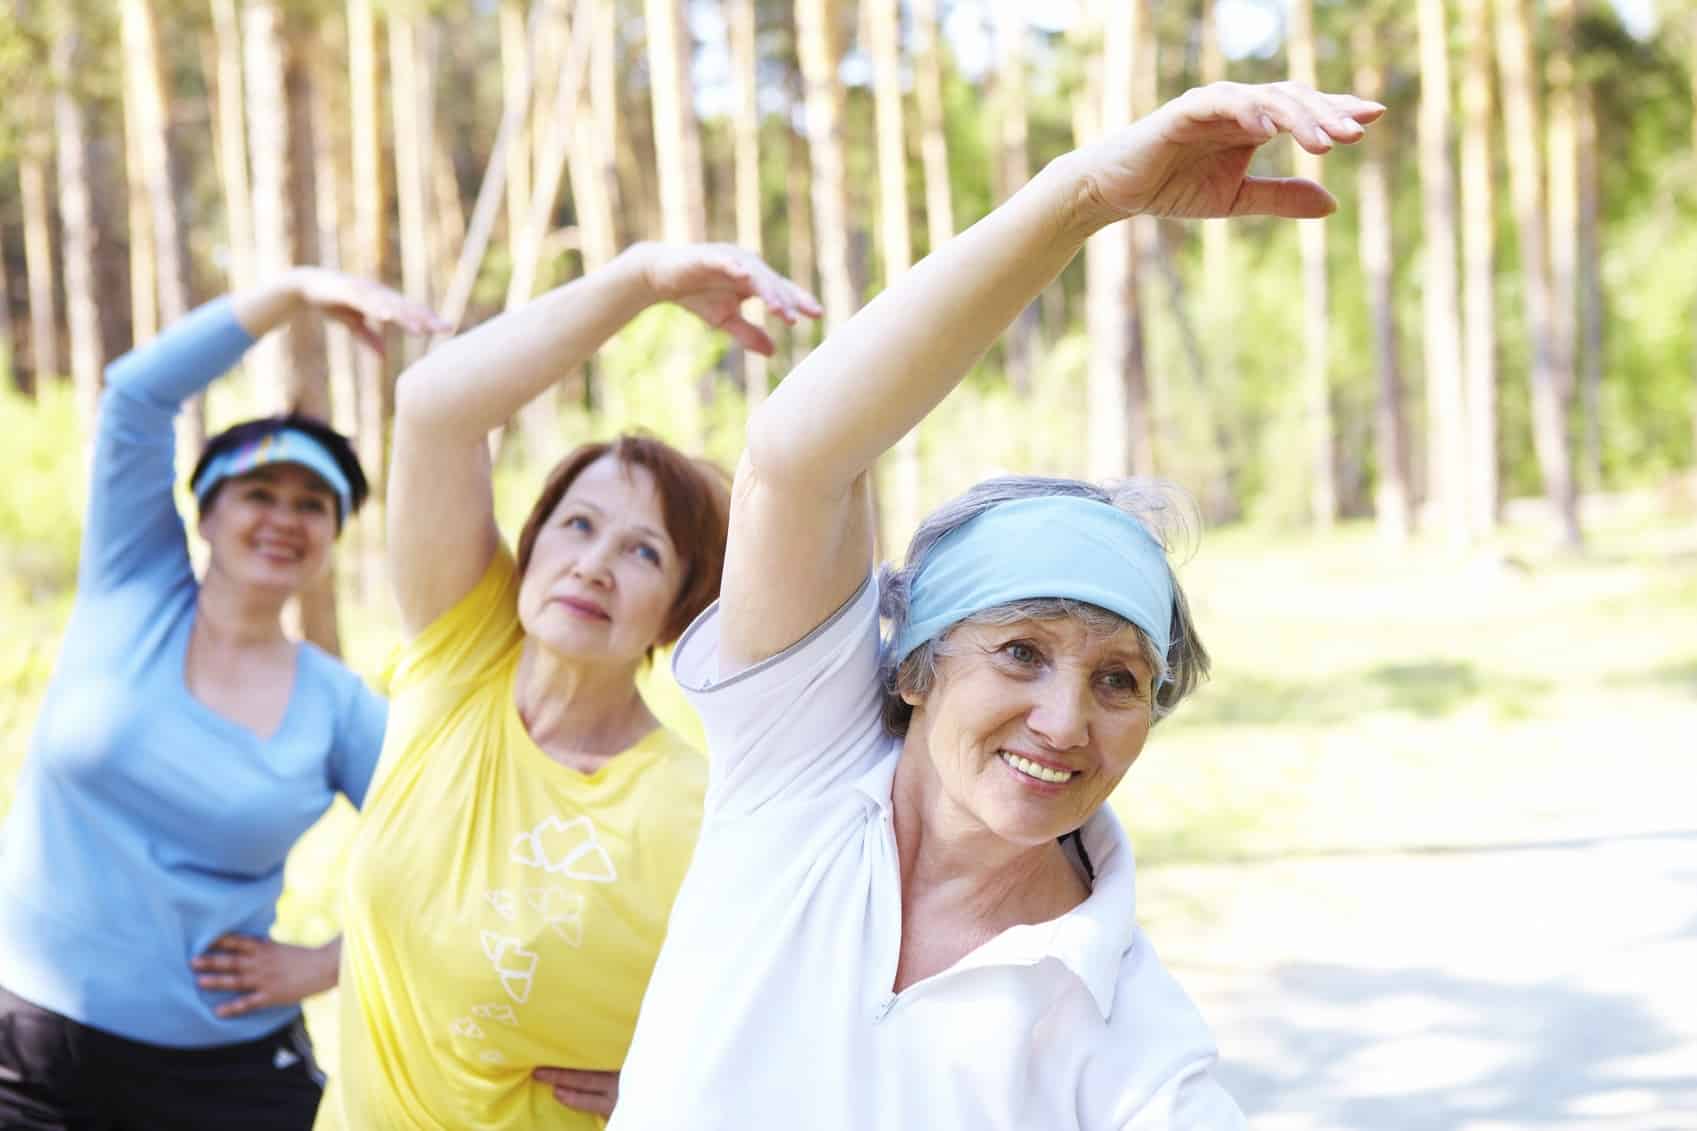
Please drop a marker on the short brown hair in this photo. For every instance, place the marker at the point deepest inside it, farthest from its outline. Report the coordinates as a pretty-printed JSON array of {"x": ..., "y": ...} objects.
[{"x": 695, "y": 502}]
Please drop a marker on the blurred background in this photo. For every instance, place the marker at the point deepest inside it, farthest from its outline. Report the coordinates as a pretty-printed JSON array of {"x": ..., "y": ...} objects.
[{"x": 1425, "y": 847}]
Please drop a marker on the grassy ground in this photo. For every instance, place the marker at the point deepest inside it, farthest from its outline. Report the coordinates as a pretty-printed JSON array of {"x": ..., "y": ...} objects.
[{"x": 1362, "y": 699}]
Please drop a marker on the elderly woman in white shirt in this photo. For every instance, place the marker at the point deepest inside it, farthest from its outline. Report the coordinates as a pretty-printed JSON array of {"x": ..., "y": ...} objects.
[{"x": 910, "y": 905}]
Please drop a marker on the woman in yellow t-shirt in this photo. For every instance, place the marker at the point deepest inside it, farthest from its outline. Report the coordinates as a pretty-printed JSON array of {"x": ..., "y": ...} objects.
[{"x": 530, "y": 821}]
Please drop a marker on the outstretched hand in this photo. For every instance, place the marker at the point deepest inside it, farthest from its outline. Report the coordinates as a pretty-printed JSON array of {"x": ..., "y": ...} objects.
[
  {"x": 264, "y": 972},
  {"x": 364, "y": 307},
  {"x": 711, "y": 281},
  {"x": 1190, "y": 159}
]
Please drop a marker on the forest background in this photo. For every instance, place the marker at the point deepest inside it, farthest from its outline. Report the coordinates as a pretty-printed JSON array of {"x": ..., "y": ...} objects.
[{"x": 1444, "y": 441}]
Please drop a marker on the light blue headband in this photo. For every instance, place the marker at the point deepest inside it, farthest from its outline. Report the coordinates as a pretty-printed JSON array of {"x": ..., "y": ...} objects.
[
  {"x": 286, "y": 445},
  {"x": 1053, "y": 546}
]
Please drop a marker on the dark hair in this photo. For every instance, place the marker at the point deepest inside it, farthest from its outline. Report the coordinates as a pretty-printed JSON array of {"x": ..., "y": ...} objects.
[
  {"x": 695, "y": 503},
  {"x": 340, "y": 448}
]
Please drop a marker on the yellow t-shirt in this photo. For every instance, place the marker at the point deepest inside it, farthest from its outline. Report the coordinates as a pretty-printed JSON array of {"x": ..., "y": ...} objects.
[{"x": 502, "y": 911}]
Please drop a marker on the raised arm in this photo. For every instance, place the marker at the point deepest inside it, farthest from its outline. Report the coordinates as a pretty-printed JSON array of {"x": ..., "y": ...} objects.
[
  {"x": 132, "y": 524},
  {"x": 442, "y": 532},
  {"x": 801, "y": 530}
]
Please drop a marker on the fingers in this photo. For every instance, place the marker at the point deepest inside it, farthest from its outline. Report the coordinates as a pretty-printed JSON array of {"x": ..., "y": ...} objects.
[
  {"x": 356, "y": 323},
  {"x": 756, "y": 279},
  {"x": 749, "y": 335},
  {"x": 594, "y": 1092},
  {"x": 1293, "y": 198},
  {"x": 1315, "y": 120},
  {"x": 246, "y": 1004},
  {"x": 784, "y": 298},
  {"x": 230, "y": 963}
]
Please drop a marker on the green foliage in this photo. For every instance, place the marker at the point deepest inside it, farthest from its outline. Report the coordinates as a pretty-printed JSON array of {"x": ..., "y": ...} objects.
[{"x": 41, "y": 508}]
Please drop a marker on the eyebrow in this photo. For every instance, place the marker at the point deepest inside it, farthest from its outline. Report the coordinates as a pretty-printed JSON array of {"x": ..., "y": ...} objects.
[
  {"x": 1128, "y": 653},
  {"x": 640, "y": 528}
]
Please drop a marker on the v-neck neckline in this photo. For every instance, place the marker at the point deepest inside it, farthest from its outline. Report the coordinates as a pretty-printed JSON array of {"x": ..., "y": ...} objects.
[{"x": 207, "y": 711}]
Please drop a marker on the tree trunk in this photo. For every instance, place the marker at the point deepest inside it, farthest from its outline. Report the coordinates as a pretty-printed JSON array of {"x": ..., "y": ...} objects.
[
  {"x": 1478, "y": 244},
  {"x": 1316, "y": 315},
  {"x": 279, "y": 103},
  {"x": 263, "y": 69},
  {"x": 599, "y": 196},
  {"x": 1590, "y": 292},
  {"x": 447, "y": 213},
  {"x": 329, "y": 142},
  {"x": 1150, "y": 392},
  {"x": 594, "y": 170},
  {"x": 1117, "y": 417},
  {"x": 1218, "y": 314},
  {"x": 1392, "y": 500},
  {"x": 745, "y": 66},
  {"x": 81, "y": 237},
  {"x": 677, "y": 138},
  {"x": 229, "y": 107},
  {"x": 1218, "y": 285},
  {"x": 412, "y": 155},
  {"x": 305, "y": 354},
  {"x": 1566, "y": 215},
  {"x": 152, "y": 149},
  {"x": 511, "y": 135},
  {"x": 902, "y": 465},
  {"x": 1520, "y": 122},
  {"x": 38, "y": 257},
  {"x": 820, "y": 55},
  {"x": 1012, "y": 167},
  {"x": 604, "y": 116},
  {"x": 934, "y": 144},
  {"x": 539, "y": 422},
  {"x": 1561, "y": 201},
  {"x": 144, "y": 306},
  {"x": 1446, "y": 431},
  {"x": 366, "y": 259},
  {"x": 516, "y": 83},
  {"x": 19, "y": 378},
  {"x": 798, "y": 213}
]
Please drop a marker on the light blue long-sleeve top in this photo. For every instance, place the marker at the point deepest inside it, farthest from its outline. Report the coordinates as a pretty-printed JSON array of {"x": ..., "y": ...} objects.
[{"x": 145, "y": 825}]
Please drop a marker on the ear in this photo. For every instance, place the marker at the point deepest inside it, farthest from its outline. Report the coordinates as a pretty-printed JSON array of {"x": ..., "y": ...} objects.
[{"x": 912, "y": 698}]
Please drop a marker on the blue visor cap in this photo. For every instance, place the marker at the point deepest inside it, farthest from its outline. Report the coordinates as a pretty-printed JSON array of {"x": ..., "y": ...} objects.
[
  {"x": 1053, "y": 546},
  {"x": 286, "y": 445}
]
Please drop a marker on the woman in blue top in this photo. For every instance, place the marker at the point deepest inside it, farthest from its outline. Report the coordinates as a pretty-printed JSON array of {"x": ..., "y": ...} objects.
[{"x": 183, "y": 746}]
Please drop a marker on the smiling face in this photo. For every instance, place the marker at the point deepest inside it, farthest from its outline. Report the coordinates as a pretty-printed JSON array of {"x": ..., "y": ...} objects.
[
  {"x": 603, "y": 573},
  {"x": 1031, "y": 725},
  {"x": 271, "y": 529}
]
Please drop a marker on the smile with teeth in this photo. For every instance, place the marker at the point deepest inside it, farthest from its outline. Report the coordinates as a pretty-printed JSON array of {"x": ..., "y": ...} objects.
[
  {"x": 279, "y": 550},
  {"x": 1032, "y": 770}
]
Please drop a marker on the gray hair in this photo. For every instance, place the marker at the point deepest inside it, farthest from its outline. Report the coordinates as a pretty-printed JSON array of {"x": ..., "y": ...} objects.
[{"x": 1165, "y": 510}]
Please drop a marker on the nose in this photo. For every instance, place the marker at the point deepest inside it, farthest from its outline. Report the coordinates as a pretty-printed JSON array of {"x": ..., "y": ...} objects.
[
  {"x": 284, "y": 513},
  {"x": 1060, "y": 712},
  {"x": 593, "y": 565}
]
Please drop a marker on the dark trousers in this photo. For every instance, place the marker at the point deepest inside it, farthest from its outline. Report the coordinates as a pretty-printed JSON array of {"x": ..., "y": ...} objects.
[{"x": 57, "y": 1075}]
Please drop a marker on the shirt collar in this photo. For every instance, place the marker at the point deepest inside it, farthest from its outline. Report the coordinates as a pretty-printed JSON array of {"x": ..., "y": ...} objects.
[{"x": 1091, "y": 940}]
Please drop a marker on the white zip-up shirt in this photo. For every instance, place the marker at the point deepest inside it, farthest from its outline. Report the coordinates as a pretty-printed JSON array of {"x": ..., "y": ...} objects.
[{"x": 771, "y": 1006}]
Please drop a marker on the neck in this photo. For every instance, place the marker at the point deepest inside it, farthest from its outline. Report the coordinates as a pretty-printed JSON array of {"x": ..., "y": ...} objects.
[
  {"x": 955, "y": 865},
  {"x": 580, "y": 714},
  {"x": 228, "y": 613}
]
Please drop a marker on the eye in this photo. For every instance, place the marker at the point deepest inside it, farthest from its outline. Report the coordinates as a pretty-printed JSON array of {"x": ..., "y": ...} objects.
[
  {"x": 1119, "y": 681},
  {"x": 647, "y": 553},
  {"x": 580, "y": 523},
  {"x": 314, "y": 504},
  {"x": 259, "y": 494},
  {"x": 1022, "y": 652}
]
